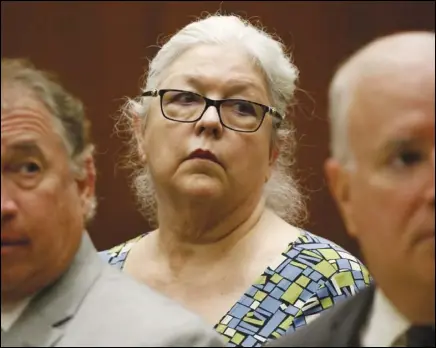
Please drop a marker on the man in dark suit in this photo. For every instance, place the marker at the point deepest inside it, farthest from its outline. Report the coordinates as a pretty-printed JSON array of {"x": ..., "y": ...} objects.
[
  {"x": 55, "y": 289},
  {"x": 382, "y": 175}
]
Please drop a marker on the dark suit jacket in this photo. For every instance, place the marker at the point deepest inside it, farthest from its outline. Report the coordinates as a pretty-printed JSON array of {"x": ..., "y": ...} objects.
[{"x": 338, "y": 327}]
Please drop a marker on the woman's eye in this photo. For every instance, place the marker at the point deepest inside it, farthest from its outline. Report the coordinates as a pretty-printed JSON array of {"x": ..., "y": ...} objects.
[
  {"x": 185, "y": 98},
  {"x": 245, "y": 108}
]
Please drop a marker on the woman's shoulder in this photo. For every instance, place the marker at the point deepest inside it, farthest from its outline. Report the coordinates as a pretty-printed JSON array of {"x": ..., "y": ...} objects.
[
  {"x": 324, "y": 246},
  {"x": 310, "y": 276},
  {"x": 117, "y": 255},
  {"x": 328, "y": 260}
]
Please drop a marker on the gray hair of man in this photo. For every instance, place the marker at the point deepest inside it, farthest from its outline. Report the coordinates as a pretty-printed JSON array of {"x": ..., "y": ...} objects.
[
  {"x": 281, "y": 191},
  {"x": 67, "y": 111},
  {"x": 340, "y": 99}
]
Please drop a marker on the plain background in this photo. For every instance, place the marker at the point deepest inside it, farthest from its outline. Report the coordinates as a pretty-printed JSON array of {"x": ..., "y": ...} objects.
[{"x": 100, "y": 50}]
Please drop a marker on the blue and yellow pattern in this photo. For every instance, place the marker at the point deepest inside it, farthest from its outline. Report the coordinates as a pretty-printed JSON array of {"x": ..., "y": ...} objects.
[{"x": 310, "y": 276}]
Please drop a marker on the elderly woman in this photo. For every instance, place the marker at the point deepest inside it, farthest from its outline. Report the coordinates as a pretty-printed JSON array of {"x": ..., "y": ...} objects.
[{"x": 213, "y": 148}]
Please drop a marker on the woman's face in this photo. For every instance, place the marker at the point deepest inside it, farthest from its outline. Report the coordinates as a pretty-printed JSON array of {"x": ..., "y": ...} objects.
[{"x": 204, "y": 160}]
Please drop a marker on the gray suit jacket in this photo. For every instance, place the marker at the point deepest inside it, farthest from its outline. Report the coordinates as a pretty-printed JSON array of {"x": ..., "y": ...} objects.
[
  {"x": 338, "y": 327},
  {"x": 93, "y": 304}
]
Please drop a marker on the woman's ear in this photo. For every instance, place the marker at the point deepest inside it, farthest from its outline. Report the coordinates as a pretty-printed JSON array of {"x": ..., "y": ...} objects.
[
  {"x": 273, "y": 155},
  {"x": 139, "y": 136}
]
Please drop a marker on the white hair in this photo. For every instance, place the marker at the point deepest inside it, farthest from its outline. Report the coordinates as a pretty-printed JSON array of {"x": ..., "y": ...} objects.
[
  {"x": 281, "y": 191},
  {"x": 339, "y": 101}
]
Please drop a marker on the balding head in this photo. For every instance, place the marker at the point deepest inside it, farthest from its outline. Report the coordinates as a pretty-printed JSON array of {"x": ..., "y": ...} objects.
[{"x": 389, "y": 64}]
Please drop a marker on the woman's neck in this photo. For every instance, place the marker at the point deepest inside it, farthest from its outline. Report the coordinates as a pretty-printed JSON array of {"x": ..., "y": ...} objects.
[{"x": 178, "y": 235}]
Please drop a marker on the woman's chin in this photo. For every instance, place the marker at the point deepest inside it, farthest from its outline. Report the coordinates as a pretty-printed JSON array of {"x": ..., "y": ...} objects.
[{"x": 202, "y": 186}]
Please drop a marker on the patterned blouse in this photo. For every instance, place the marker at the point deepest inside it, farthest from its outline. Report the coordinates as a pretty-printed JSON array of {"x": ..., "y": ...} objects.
[{"x": 310, "y": 276}]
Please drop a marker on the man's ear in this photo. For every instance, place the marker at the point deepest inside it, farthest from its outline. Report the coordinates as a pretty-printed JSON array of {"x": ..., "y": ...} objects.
[
  {"x": 338, "y": 179},
  {"x": 86, "y": 185}
]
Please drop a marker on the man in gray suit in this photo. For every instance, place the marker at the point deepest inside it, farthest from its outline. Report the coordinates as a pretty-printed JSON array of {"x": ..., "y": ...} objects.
[
  {"x": 382, "y": 175},
  {"x": 55, "y": 289}
]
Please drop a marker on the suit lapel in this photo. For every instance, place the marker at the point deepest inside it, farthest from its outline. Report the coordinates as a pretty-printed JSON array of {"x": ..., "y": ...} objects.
[
  {"x": 43, "y": 323},
  {"x": 37, "y": 332},
  {"x": 347, "y": 323}
]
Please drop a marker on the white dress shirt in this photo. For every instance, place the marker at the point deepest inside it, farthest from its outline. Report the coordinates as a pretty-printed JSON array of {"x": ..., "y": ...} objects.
[
  {"x": 385, "y": 325},
  {"x": 11, "y": 313}
]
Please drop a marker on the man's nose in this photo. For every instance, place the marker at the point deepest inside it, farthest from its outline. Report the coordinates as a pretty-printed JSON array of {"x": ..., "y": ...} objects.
[{"x": 8, "y": 204}]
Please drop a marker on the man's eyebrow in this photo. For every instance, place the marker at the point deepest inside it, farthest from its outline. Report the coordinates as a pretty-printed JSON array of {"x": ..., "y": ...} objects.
[
  {"x": 397, "y": 145},
  {"x": 26, "y": 147}
]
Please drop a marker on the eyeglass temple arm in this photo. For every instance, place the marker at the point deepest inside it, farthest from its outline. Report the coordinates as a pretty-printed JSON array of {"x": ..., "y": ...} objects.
[
  {"x": 152, "y": 93},
  {"x": 274, "y": 112}
]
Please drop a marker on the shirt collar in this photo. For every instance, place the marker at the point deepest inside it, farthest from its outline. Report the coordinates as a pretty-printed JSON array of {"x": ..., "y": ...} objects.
[
  {"x": 11, "y": 312},
  {"x": 385, "y": 325}
]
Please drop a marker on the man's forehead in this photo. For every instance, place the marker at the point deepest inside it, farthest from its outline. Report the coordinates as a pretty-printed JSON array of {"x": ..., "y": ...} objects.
[
  {"x": 23, "y": 117},
  {"x": 387, "y": 111},
  {"x": 391, "y": 94}
]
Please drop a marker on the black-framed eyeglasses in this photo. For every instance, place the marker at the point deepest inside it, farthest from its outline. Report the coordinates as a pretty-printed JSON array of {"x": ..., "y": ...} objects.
[{"x": 236, "y": 114}]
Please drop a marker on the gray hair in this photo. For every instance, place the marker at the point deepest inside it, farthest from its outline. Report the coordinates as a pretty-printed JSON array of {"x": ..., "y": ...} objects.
[
  {"x": 339, "y": 101},
  {"x": 67, "y": 111},
  {"x": 281, "y": 191}
]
